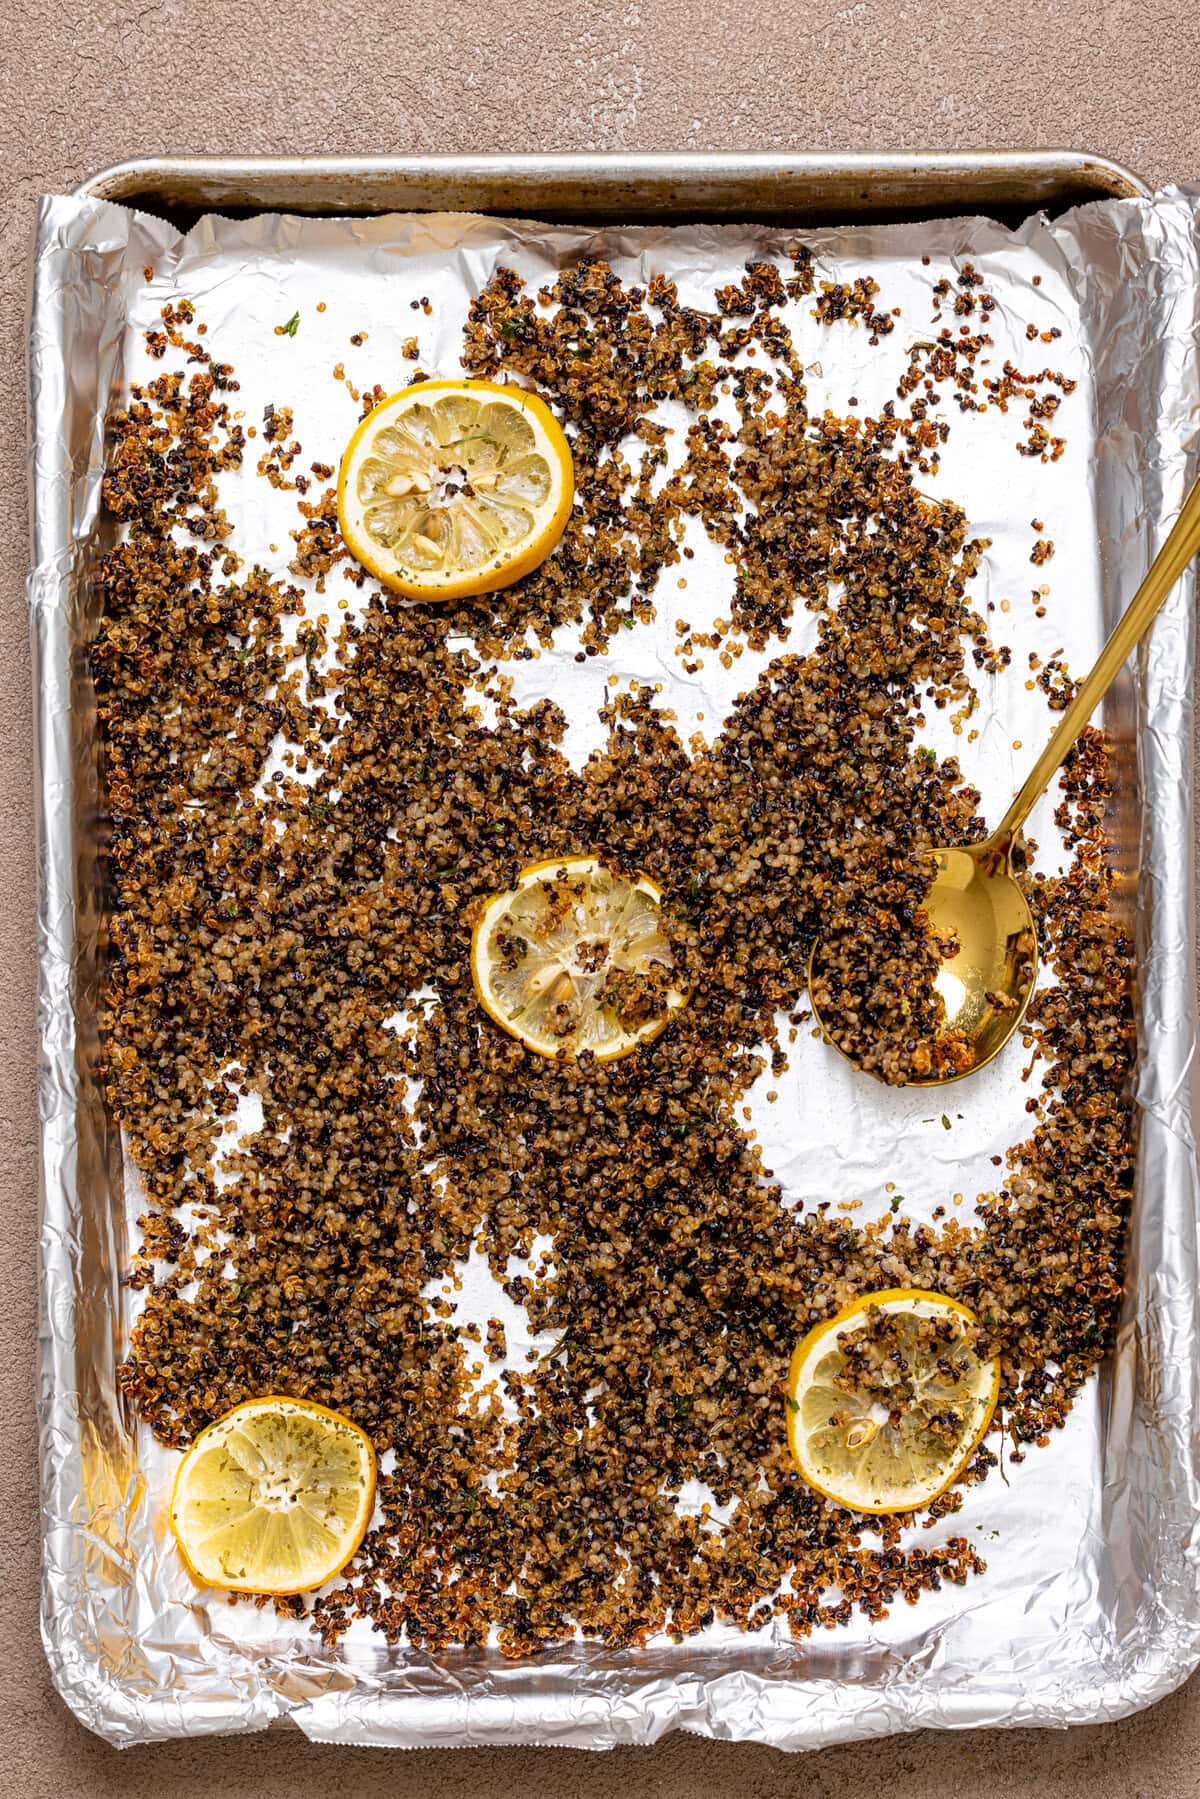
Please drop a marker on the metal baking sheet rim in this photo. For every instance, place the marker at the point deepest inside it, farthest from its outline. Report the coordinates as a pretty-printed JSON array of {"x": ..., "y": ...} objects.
[
  {"x": 641, "y": 185},
  {"x": 785, "y": 1711}
]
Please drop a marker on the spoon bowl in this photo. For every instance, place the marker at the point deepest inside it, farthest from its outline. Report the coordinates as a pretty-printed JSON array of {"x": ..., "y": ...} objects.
[
  {"x": 987, "y": 986},
  {"x": 987, "y": 983}
]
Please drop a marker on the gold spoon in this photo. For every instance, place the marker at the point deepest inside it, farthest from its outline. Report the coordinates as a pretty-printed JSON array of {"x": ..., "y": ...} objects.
[{"x": 975, "y": 901}]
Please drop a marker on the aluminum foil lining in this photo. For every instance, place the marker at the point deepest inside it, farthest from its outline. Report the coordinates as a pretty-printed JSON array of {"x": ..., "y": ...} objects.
[{"x": 1090, "y": 1607}]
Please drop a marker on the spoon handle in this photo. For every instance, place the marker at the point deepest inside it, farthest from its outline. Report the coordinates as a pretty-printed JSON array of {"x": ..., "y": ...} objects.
[{"x": 1181, "y": 545}]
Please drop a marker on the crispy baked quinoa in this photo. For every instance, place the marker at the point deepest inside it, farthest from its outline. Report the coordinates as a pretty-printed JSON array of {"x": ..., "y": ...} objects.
[{"x": 264, "y": 932}]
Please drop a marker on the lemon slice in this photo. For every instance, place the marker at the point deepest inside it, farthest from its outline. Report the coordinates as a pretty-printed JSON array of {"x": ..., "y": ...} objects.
[
  {"x": 574, "y": 958},
  {"x": 274, "y": 1497},
  {"x": 455, "y": 487},
  {"x": 888, "y": 1401}
]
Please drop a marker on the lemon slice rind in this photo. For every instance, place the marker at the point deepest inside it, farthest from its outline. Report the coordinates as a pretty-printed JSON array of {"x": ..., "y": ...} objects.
[
  {"x": 619, "y": 913},
  {"x": 931, "y": 1473},
  {"x": 454, "y": 488},
  {"x": 274, "y": 1497}
]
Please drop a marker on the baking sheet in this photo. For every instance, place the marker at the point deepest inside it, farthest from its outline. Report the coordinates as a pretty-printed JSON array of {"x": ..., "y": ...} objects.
[{"x": 1089, "y": 1607}]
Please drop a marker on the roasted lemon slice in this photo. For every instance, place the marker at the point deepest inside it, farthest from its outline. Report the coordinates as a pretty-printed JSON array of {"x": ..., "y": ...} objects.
[
  {"x": 274, "y": 1497},
  {"x": 455, "y": 487},
  {"x": 888, "y": 1401},
  {"x": 574, "y": 958}
]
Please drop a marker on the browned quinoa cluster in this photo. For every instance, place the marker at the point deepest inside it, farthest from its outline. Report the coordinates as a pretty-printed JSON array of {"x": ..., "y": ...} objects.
[{"x": 263, "y": 933}]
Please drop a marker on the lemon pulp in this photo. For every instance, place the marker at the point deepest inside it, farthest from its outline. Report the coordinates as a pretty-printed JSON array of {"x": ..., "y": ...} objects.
[
  {"x": 452, "y": 488},
  {"x": 574, "y": 958},
  {"x": 888, "y": 1400},
  {"x": 274, "y": 1497}
]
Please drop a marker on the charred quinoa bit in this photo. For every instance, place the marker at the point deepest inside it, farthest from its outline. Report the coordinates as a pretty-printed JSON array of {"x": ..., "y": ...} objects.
[{"x": 265, "y": 931}]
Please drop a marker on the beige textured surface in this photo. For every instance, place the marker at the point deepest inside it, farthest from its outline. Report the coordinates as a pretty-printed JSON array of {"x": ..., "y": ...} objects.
[{"x": 87, "y": 82}]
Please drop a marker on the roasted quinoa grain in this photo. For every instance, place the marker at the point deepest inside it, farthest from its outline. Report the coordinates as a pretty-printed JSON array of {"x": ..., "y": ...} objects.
[{"x": 264, "y": 933}]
